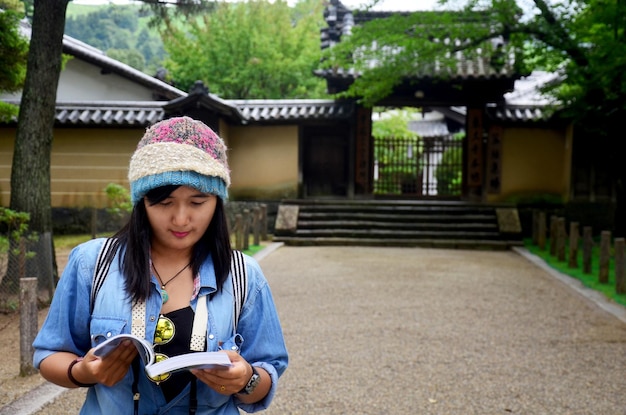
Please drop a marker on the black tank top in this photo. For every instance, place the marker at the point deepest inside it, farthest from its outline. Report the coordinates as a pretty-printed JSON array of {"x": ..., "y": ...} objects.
[{"x": 179, "y": 344}]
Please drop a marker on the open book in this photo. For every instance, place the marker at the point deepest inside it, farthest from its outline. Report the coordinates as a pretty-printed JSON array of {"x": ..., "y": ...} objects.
[{"x": 193, "y": 360}]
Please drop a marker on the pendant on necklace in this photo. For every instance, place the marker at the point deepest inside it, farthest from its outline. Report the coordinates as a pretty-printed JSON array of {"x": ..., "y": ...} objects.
[{"x": 164, "y": 295}]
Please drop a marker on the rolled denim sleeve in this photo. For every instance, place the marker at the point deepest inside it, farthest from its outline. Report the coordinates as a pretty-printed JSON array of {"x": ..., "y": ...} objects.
[
  {"x": 66, "y": 327},
  {"x": 259, "y": 325}
]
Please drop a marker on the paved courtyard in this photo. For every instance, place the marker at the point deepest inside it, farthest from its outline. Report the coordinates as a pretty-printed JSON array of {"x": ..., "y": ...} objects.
[{"x": 427, "y": 331}]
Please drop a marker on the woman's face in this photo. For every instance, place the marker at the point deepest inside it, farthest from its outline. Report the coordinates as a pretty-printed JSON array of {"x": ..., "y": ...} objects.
[{"x": 180, "y": 220}]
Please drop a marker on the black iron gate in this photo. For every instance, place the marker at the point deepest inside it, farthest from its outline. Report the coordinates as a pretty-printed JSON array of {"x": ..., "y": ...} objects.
[{"x": 418, "y": 167}]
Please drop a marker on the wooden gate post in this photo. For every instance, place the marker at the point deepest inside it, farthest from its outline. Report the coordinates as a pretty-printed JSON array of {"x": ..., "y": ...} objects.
[
  {"x": 256, "y": 223},
  {"x": 246, "y": 229},
  {"x": 573, "y": 245},
  {"x": 553, "y": 234},
  {"x": 605, "y": 254},
  {"x": 28, "y": 324},
  {"x": 560, "y": 243},
  {"x": 238, "y": 232},
  {"x": 263, "y": 222},
  {"x": 541, "y": 230},
  {"x": 535, "y": 227},
  {"x": 620, "y": 277},
  {"x": 587, "y": 249}
]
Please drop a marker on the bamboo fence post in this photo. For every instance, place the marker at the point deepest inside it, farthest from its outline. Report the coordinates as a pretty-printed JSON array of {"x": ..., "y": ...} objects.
[
  {"x": 605, "y": 254},
  {"x": 246, "y": 229},
  {"x": 263, "y": 222},
  {"x": 553, "y": 234},
  {"x": 541, "y": 230},
  {"x": 256, "y": 222},
  {"x": 620, "y": 277},
  {"x": 238, "y": 232},
  {"x": 28, "y": 324},
  {"x": 535, "y": 227},
  {"x": 28, "y": 313},
  {"x": 587, "y": 249},
  {"x": 560, "y": 243},
  {"x": 573, "y": 245}
]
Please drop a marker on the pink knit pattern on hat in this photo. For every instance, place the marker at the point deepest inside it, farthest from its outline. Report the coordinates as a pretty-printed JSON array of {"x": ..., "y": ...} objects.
[
  {"x": 184, "y": 130},
  {"x": 179, "y": 151}
]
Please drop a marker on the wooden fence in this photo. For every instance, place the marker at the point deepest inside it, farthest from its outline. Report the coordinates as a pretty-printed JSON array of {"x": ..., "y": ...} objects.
[
  {"x": 249, "y": 223},
  {"x": 566, "y": 245}
]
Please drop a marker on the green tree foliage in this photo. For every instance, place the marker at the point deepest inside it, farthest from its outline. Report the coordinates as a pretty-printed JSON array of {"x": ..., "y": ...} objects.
[
  {"x": 119, "y": 199},
  {"x": 397, "y": 151},
  {"x": 450, "y": 180},
  {"x": 13, "y": 240},
  {"x": 249, "y": 49},
  {"x": 13, "y": 55},
  {"x": 131, "y": 57},
  {"x": 30, "y": 169},
  {"x": 121, "y": 31},
  {"x": 385, "y": 52},
  {"x": 13, "y": 5},
  {"x": 584, "y": 40}
]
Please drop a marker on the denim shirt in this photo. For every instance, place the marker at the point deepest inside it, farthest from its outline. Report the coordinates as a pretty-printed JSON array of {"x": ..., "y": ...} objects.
[{"x": 69, "y": 327}]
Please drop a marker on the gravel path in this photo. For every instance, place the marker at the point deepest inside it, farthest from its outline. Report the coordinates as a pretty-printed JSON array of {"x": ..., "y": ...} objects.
[{"x": 427, "y": 331}]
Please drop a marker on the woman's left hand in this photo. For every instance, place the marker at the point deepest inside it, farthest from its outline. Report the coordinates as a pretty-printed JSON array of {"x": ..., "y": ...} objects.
[{"x": 230, "y": 380}]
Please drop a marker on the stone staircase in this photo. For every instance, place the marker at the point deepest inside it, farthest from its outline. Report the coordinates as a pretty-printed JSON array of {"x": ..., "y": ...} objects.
[{"x": 441, "y": 224}]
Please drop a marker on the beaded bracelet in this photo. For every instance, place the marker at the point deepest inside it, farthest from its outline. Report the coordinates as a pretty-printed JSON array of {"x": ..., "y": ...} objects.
[{"x": 71, "y": 377}]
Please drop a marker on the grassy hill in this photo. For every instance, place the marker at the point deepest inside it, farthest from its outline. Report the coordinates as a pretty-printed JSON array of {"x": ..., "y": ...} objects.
[{"x": 121, "y": 31}]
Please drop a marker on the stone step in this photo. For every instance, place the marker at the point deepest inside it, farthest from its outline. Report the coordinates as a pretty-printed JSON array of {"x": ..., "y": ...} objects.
[
  {"x": 480, "y": 244},
  {"x": 407, "y": 223},
  {"x": 391, "y": 217},
  {"x": 396, "y": 224}
]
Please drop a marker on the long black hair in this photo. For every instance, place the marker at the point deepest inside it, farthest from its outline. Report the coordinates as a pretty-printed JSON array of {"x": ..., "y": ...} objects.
[{"x": 136, "y": 235}]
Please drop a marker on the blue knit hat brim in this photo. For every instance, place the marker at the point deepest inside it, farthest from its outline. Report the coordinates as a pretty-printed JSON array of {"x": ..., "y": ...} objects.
[{"x": 205, "y": 184}]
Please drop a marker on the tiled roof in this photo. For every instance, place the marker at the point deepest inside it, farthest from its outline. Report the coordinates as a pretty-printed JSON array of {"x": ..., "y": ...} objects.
[
  {"x": 110, "y": 113},
  {"x": 262, "y": 111},
  {"x": 511, "y": 113},
  {"x": 292, "y": 110},
  {"x": 340, "y": 20},
  {"x": 527, "y": 103},
  {"x": 200, "y": 97},
  {"x": 145, "y": 113},
  {"x": 518, "y": 113},
  {"x": 524, "y": 104},
  {"x": 528, "y": 89},
  {"x": 107, "y": 113}
]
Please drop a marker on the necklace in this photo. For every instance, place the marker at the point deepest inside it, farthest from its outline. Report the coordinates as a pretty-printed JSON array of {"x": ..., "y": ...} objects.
[{"x": 164, "y": 295}]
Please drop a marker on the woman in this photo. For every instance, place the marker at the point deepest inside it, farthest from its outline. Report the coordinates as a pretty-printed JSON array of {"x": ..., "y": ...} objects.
[{"x": 171, "y": 270}]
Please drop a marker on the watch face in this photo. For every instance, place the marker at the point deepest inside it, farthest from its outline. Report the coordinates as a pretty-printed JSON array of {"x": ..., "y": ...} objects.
[{"x": 252, "y": 384}]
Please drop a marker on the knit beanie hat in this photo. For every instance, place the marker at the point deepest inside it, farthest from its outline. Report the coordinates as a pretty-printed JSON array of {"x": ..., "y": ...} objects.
[{"x": 179, "y": 151}]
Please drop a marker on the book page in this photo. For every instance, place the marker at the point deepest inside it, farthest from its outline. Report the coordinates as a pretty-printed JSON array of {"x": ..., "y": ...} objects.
[
  {"x": 143, "y": 347},
  {"x": 197, "y": 360}
]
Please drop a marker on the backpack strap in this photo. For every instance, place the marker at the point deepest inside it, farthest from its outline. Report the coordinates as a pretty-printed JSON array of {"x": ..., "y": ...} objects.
[
  {"x": 103, "y": 263},
  {"x": 237, "y": 268},
  {"x": 240, "y": 284}
]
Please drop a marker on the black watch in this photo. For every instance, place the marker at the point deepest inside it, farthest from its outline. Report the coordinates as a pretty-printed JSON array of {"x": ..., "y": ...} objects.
[{"x": 252, "y": 383}]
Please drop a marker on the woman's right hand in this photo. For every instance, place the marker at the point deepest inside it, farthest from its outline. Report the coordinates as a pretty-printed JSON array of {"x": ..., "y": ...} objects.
[{"x": 106, "y": 370}]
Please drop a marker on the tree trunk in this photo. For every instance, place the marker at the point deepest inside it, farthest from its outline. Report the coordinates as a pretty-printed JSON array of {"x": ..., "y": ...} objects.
[{"x": 30, "y": 172}]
